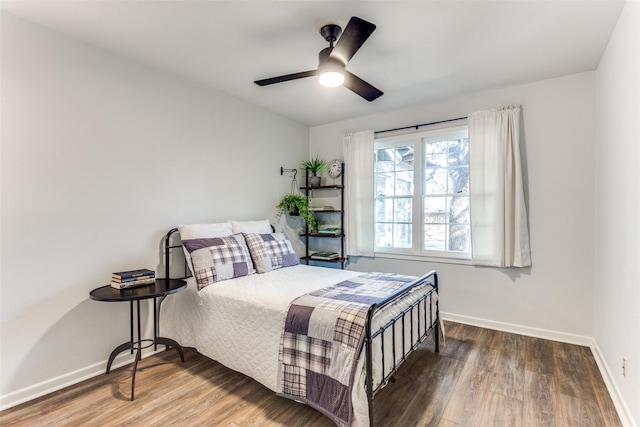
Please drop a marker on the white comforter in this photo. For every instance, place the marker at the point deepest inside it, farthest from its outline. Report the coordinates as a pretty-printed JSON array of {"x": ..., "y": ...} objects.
[{"x": 239, "y": 322}]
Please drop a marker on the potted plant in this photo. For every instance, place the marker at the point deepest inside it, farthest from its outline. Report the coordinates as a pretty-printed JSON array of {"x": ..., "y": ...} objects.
[
  {"x": 315, "y": 166},
  {"x": 297, "y": 204},
  {"x": 314, "y": 224}
]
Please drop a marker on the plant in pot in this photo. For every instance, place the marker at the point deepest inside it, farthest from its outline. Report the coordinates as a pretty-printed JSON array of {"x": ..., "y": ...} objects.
[
  {"x": 297, "y": 204},
  {"x": 314, "y": 166},
  {"x": 314, "y": 224}
]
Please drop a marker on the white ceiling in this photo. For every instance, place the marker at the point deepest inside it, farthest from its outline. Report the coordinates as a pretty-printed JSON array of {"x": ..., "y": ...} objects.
[{"x": 421, "y": 51}]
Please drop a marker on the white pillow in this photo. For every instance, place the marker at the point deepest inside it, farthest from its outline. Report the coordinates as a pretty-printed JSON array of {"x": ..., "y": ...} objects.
[
  {"x": 200, "y": 231},
  {"x": 260, "y": 227}
]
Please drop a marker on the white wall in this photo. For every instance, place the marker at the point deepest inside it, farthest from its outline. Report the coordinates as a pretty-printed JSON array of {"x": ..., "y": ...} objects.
[
  {"x": 617, "y": 298},
  {"x": 100, "y": 157},
  {"x": 556, "y": 293}
]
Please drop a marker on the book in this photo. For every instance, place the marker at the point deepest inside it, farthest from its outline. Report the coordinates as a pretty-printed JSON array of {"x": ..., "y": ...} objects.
[
  {"x": 131, "y": 279},
  {"x": 330, "y": 230},
  {"x": 142, "y": 272},
  {"x": 325, "y": 255},
  {"x": 133, "y": 283}
]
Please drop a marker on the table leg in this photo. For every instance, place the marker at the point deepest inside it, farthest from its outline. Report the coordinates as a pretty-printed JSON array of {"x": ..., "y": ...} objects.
[
  {"x": 125, "y": 346},
  {"x": 155, "y": 325},
  {"x": 119, "y": 349},
  {"x": 135, "y": 367},
  {"x": 168, "y": 342},
  {"x": 132, "y": 345},
  {"x": 131, "y": 324},
  {"x": 171, "y": 343},
  {"x": 138, "y": 353}
]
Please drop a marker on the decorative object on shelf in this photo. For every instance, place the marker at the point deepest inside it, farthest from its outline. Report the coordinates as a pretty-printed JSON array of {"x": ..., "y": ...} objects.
[
  {"x": 314, "y": 224},
  {"x": 334, "y": 169},
  {"x": 315, "y": 166}
]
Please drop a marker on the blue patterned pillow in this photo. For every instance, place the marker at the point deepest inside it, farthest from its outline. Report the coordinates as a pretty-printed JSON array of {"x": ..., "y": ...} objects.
[
  {"x": 218, "y": 258},
  {"x": 270, "y": 251}
]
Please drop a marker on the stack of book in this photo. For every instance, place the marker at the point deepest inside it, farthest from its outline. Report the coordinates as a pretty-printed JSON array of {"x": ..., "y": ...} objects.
[
  {"x": 129, "y": 279},
  {"x": 325, "y": 255},
  {"x": 330, "y": 231}
]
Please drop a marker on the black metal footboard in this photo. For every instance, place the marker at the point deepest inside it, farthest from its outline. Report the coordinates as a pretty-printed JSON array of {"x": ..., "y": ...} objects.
[{"x": 422, "y": 311}]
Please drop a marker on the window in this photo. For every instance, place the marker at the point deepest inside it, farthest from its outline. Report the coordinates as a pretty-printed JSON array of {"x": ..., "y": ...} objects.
[{"x": 422, "y": 194}]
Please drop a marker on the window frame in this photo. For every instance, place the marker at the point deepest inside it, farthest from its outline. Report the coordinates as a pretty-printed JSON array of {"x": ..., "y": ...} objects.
[{"x": 419, "y": 141}]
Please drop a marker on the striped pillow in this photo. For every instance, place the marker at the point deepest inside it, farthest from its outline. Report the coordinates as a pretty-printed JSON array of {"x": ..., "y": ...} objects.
[
  {"x": 218, "y": 258},
  {"x": 270, "y": 251}
]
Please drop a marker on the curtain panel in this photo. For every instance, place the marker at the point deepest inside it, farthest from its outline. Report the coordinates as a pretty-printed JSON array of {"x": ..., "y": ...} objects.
[
  {"x": 499, "y": 230},
  {"x": 358, "y": 151}
]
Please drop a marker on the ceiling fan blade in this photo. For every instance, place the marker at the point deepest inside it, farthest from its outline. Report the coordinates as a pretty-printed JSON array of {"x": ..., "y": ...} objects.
[
  {"x": 286, "y": 78},
  {"x": 354, "y": 35},
  {"x": 360, "y": 87}
]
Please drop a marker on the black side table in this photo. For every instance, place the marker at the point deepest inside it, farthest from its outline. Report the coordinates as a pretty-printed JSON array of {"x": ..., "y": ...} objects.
[{"x": 161, "y": 288}]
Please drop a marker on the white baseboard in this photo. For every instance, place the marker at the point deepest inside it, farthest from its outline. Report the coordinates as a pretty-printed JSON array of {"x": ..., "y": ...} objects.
[
  {"x": 54, "y": 384},
  {"x": 614, "y": 392},
  {"x": 519, "y": 329},
  {"x": 623, "y": 411}
]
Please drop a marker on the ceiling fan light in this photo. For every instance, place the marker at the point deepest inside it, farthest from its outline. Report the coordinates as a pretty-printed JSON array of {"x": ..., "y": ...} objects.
[{"x": 331, "y": 79}]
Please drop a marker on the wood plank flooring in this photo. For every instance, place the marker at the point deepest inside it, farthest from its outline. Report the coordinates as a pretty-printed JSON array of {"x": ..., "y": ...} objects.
[{"x": 480, "y": 377}]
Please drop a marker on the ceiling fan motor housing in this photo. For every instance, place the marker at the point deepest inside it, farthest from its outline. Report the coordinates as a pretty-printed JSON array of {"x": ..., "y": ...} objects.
[
  {"x": 330, "y": 32},
  {"x": 324, "y": 60}
]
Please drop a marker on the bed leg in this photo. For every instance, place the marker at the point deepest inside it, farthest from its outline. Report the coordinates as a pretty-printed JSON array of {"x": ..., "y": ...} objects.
[
  {"x": 368, "y": 342},
  {"x": 370, "y": 412},
  {"x": 436, "y": 336}
]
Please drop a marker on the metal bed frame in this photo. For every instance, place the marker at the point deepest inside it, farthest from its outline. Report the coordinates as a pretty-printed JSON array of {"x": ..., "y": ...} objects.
[
  {"x": 423, "y": 306},
  {"x": 425, "y": 301}
]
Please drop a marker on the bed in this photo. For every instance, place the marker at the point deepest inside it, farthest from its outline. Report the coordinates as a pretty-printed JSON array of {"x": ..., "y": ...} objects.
[{"x": 242, "y": 321}]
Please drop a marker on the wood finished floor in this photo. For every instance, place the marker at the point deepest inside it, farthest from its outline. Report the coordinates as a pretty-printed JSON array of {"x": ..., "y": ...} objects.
[{"x": 480, "y": 378}]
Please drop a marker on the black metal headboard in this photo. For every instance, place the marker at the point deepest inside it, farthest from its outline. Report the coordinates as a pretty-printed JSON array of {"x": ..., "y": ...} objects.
[{"x": 167, "y": 252}]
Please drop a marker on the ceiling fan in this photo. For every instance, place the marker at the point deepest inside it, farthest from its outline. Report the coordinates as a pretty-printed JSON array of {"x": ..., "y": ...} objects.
[{"x": 332, "y": 61}]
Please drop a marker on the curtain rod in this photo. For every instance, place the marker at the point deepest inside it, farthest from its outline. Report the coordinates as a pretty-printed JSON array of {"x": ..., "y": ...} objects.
[{"x": 417, "y": 126}]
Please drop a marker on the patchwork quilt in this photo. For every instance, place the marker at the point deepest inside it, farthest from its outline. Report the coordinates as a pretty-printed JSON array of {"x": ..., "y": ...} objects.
[{"x": 322, "y": 338}]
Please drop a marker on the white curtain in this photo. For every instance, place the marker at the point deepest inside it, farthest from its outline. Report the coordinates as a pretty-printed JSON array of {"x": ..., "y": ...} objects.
[
  {"x": 499, "y": 230},
  {"x": 358, "y": 193}
]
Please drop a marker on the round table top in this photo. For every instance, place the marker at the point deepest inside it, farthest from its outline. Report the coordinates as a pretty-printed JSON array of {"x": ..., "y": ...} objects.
[{"x": 161, "y": 288}]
